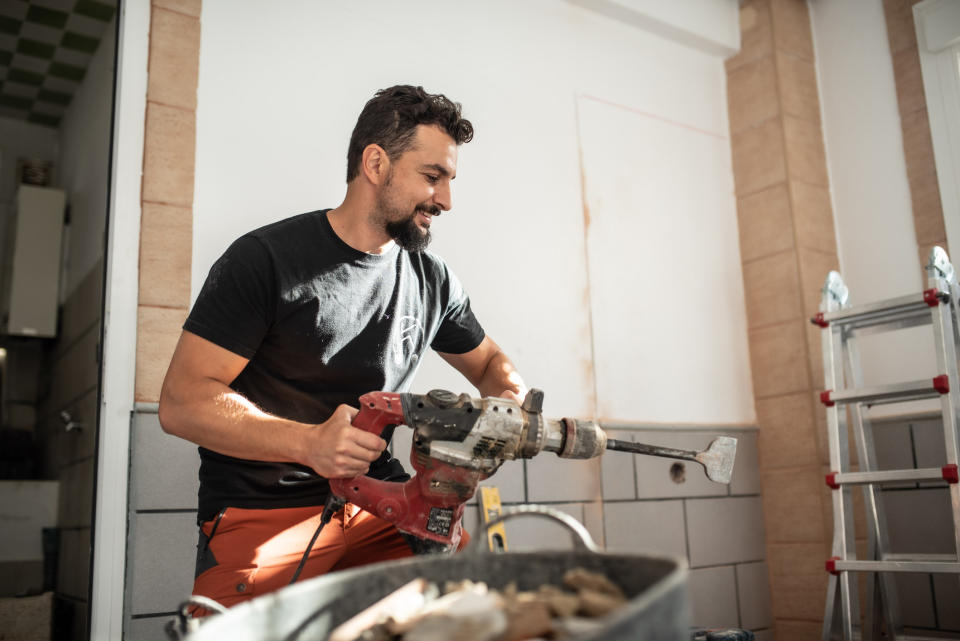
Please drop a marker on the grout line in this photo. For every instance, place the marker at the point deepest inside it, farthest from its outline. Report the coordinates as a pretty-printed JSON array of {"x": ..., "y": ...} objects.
[
  {"x": 152, "y": 615},
  {"x": 175, "y": 510},
  {"x": 736, "y": 595},
  {"x": 179, "y": 13},
  {"x": 698, "y": 497},
  {"x": 187, "y": 110},
  {"x": 732, "y": 564}
]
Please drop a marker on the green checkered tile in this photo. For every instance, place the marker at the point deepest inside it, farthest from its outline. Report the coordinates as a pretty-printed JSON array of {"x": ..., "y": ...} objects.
[
  {"x": 9, "y": 25},
  {"x": 85, "y": 44},
  {"x": 96, "y": 10},
  {"x": 45, "y": 49},
  {"x": 36, "y": 49},
  {"x": 56, "y": 97},
  {"x": 17, "y": 102},
  {"x": 49, "y": 17},
  {"x": 68, "y": 72},
  {"x": 25, "y": 77}
]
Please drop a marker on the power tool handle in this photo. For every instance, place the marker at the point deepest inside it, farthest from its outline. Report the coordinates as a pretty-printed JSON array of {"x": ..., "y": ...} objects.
[{"x": 379, "y": 410}]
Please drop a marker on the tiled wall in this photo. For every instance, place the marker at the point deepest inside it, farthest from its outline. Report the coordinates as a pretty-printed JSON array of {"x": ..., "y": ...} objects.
[
  {"x": 787, "y": 245},
  {"x": 919, "y": 521},
  {"x": 629, "y": 503},
  {"x": 917, "y": 144},
  {"x": 69, "y": 383}
]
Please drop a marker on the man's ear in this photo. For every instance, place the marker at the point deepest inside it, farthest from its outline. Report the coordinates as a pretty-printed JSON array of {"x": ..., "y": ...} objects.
[{"x": 375, "y": 163}]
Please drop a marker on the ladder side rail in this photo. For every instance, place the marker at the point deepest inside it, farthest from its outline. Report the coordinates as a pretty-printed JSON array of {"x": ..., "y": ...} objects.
[
  {"x": 944, "y": 323},
  {"x": 844, "y": 543},
  {"x": 882, "y": 601}
]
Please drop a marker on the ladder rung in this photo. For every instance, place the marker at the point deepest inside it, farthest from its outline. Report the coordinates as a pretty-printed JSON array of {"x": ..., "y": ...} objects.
[
  {"x": 882, "y": 311},
  {"x": 895, "y": 393},
  {"x": 946, "y": 473},
  {"x": 836, "y": 565}
]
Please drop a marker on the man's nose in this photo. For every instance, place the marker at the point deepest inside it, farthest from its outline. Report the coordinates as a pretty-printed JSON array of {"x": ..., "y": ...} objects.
[{"x": 442, "y": 197}]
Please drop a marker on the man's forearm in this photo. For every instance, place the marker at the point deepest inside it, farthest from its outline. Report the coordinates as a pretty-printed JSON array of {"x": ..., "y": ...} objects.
[
  {"x": 214, "y": 416},
  {"x": 501, "y": 378}
]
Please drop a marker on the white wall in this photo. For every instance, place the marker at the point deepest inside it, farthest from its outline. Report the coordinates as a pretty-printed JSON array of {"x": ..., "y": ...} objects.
[
  {"x": 281, "y": 86},
  {"x": 85, "y": 161},
  {"x": 868, "y": 178}
]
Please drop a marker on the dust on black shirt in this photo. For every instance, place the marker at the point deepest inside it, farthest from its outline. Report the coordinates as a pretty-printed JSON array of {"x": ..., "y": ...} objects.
[{"x": 321, "y": 324}]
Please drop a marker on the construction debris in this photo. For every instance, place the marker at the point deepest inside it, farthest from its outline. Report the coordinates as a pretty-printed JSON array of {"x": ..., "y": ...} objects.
[{"x": 469, "y": 611}]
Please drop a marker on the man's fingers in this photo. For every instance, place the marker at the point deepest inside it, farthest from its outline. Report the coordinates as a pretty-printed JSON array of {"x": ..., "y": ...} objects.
[{"x": 367, "y": 440}]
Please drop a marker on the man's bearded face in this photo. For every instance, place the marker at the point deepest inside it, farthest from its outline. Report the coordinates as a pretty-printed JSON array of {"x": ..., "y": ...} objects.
[{"x": 400, "y": 221}]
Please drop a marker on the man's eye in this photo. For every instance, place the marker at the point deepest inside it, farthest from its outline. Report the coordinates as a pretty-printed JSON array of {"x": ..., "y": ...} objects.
[{"x": 432, "y": 179}]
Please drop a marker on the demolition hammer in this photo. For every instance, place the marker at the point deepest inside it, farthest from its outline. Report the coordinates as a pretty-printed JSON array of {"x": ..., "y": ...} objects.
[{"x": 458, "y": 441}]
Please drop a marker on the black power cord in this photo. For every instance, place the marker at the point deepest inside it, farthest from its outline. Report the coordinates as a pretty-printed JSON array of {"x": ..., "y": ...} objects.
[{"x": 333, "y": 504}]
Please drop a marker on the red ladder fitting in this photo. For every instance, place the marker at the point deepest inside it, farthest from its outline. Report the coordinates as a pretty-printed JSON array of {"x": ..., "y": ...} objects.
[
  {"x": 950, "y": 473},
  {"x": 941, "y": 383},
  {"x": 831, "y": 565},
  {"x": 931, "y": 297},
  {"x": 832, "y": 481},
  {"x": 825, "y": 398}
]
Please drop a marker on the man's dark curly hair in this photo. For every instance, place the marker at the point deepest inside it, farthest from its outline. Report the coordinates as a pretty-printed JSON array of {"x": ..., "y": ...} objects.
[{"x": 390, "y": 120}]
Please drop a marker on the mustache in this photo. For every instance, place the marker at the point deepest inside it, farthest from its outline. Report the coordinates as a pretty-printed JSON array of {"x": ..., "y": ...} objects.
[{"x": 433, "y": 210}]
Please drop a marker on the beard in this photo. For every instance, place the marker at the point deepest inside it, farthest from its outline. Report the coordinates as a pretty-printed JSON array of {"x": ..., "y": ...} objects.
[
  {"x": 408, "y": 234},
  {"x": 403, "y": 228}
]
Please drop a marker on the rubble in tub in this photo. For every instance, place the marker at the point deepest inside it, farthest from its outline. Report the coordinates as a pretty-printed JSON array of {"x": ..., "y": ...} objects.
[{"x": 468, "y": 611}]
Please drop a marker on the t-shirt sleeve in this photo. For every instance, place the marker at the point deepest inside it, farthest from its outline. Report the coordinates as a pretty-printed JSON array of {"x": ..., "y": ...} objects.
[
  {"x": 459, "y": 330},
  {"x": 236, "y": 305}
]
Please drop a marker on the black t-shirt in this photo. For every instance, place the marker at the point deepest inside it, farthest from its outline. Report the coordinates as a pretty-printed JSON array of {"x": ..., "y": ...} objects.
[{"x": 321, "y": 324}]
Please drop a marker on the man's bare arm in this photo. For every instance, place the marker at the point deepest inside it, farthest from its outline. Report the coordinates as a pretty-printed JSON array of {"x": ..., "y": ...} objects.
[
  {"x": 489, "y": 370},
  {"x": 196, "y": 403}
]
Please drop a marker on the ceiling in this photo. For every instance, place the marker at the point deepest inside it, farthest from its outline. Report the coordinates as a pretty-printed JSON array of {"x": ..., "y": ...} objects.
[{"x": 45, "y": 49}]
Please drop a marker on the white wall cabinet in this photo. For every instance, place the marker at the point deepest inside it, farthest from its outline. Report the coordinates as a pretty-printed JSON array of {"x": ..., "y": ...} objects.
[{"x": 32, "y": 273}]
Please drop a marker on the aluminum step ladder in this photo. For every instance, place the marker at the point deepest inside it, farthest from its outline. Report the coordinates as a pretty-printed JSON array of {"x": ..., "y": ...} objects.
[{"x": 842, "y": 323}]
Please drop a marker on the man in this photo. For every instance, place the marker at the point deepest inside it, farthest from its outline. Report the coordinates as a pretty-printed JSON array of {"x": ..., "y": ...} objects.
[{"x": 298, "y": 319}]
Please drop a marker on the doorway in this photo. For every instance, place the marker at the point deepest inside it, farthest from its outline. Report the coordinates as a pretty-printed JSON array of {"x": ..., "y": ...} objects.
[{"x": 57, "y": 69}]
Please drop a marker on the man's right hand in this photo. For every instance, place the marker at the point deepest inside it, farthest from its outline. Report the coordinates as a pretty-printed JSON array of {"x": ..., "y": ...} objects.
[{"x": 337, "y": 449}]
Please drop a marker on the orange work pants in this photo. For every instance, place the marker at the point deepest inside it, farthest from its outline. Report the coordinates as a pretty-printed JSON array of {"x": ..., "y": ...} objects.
[{"x": 246, "y": 553}]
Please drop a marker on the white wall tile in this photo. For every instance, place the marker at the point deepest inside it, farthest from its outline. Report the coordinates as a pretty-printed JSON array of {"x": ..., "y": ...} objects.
[
  {"x": 654, "y": 478},
  {"x": 753, "y": 585},
  {"x": 915, "y": 598},
  {"x": 163, "y": 554},
  {"x": 746, "y": 467},
  {"x": 928, "y": 442},
  {"x": 593, "y": 521},
  {"x": 509, "y": 480},
  {"x": 713, "y": 598},
  {"x": 919, "y": 521},
  {"x": 724, "y": 530},
  {"x": 644, "y": 527},
  {"x": 551, "y": 478},
  {"x": 617, "y": 473},
  {"x": 147, "y": 629},
  {"x": 946, "y": 587},
  {"x": 164, "y": 468},
  {"x": 525, "y": 533},
  {"x": 894, "y": 449}
]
